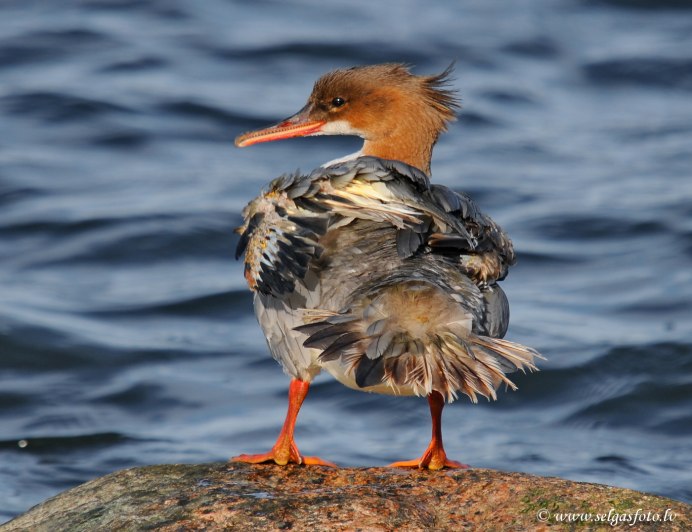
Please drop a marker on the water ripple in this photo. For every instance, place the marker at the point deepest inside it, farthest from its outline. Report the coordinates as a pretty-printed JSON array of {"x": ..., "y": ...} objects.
[
  {"x": 653, "y": 72},
  {"x": 49, "y": 45},
  {"x": 59, "y": 107}
]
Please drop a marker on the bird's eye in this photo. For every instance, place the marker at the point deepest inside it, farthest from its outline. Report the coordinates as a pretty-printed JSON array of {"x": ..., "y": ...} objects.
[{"x": 338, "y": 102}]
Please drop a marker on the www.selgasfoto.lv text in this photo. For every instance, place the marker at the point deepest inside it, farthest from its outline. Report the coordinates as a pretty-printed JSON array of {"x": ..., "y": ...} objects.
[{"x": 612, "y": 517}]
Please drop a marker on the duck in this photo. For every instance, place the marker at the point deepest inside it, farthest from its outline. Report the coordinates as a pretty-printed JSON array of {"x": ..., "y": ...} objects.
[{"x": 365, "y": 269}]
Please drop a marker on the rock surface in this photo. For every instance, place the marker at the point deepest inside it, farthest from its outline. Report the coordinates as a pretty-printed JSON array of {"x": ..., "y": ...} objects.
[{"x": 267, "y": 497}]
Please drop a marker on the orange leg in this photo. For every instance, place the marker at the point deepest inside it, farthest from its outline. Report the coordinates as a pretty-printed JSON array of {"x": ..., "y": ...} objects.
[
  {"x": 434, "y": 457},
  {"x": 285, "y": 450}
]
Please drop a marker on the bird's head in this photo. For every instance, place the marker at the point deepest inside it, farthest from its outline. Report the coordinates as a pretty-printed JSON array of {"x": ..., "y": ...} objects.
[{"x": 398, "y": 114}]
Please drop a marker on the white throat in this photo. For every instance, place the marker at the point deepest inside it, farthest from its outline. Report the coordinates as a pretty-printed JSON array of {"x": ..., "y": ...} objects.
[{"x": 340, "y": 127}]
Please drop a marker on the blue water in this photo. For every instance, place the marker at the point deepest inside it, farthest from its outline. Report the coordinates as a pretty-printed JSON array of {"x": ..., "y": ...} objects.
[{"x": 126, "y": 330}]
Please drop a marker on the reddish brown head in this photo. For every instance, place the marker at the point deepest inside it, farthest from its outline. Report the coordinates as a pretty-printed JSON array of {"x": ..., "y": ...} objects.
[{"x": 399, "y": 115}]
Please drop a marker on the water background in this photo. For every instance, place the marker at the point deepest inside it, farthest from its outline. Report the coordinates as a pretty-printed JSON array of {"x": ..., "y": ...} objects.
[{"x": 126, "y": 329}]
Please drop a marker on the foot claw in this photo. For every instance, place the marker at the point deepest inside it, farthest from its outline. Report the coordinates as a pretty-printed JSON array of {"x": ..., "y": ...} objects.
[
  {"x": 315, "y": 460},
  {"x": 453, "y": 464}
]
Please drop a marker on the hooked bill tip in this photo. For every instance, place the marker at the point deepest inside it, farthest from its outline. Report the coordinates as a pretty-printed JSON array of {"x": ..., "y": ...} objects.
[{"x": 240, "y": 141}]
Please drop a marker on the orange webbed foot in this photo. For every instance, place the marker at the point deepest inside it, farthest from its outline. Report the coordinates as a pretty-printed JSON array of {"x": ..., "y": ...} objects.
[
  {"x": 282, "y": 459},
  {"x": 433, "y": 459},
  {"x": 271, "y": 457},
  {"x": 258, "y": 458},
  {"x": 420, "y": 463}
]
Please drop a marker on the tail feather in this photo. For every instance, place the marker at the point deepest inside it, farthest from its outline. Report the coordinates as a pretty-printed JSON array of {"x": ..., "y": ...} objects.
[{"x": 379, "y": 347}]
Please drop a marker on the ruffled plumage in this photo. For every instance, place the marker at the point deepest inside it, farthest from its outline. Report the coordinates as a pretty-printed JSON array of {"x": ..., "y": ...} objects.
[{"x": 373, "y": 249}]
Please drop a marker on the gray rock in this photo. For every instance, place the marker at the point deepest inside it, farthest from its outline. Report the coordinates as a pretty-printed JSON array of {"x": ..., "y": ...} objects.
[{"x": 267, "y": 497}]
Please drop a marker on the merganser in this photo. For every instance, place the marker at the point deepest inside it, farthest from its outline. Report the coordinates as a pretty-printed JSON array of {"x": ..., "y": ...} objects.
[{"x": 365, "y": 269}]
